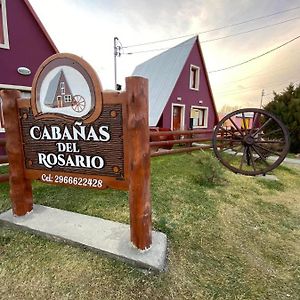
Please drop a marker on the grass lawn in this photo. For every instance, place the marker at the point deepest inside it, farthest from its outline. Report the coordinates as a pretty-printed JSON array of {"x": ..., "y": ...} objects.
[{"x": 236, "y": 239}]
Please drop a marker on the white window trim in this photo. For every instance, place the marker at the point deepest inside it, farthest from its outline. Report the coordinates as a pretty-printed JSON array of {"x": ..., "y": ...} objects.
[
  {"x": 205, "y": 116},
  {"x": 5, "y": 28},
  {"x": 182, "y": 115},
  {"x": 67, "y": 98},
  {"x": 197, "y": 78},
  {"x": 15, "y": 87}
]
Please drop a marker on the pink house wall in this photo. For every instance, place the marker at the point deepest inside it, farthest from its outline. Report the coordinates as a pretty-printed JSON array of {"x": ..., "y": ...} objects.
[
  {"x": 191, "y": 97},
  {"x": 29, "y": 46}
]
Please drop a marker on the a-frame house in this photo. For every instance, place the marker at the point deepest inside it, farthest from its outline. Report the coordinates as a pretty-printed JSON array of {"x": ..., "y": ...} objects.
[
  {"x": 24, "y": 45},
  {"x": 180, "y": 96}
]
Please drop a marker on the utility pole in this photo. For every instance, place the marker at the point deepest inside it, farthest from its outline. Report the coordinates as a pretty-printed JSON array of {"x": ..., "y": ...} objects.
[
  {"x": 117, "y": 53},
  {"x": 261, "y": 99}
]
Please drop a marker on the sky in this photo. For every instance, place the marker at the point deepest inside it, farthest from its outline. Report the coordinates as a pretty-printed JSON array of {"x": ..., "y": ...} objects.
[{"x": 87, "y": 28}]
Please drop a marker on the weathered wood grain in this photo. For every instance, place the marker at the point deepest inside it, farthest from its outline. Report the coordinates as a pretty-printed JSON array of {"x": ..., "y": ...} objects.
[
  {"x": 20, "y": 187},
  {"x": 139, "y": 162}
]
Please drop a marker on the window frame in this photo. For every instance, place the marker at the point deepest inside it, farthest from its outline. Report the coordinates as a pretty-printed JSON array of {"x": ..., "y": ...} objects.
[
  {"x": 197, "y": 77},
  {"x": 205, "y": 115},
  {"x": 68, "y": 98},
  {"x": 5, "y": 44}
]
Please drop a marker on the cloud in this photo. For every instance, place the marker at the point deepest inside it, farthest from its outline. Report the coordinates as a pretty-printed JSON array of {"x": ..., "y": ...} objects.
[{"x": 87, "y": 28}]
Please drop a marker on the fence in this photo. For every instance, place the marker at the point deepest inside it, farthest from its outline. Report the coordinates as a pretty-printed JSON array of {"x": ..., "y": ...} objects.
[
  {"x": 184, "y": 138},
  {"x": 159, "y": 140}
]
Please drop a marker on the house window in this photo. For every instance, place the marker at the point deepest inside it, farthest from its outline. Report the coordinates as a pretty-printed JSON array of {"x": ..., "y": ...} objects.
[
  {"x": 194, "y": 77},
  {"x": 4, "y": 43},
  {"x": 199, "y": 115},
  {"x": 68, "y": 98},
  {"x": 62, "y": 88}
]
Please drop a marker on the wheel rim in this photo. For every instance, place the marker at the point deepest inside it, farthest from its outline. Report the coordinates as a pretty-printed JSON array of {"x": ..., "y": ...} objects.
[
  {"x": 78, "y": 103},
  {"x": 255, "y": 145}
]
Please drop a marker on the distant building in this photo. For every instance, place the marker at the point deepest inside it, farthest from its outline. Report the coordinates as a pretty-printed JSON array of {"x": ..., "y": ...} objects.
[{"x": 180, "y": 96}]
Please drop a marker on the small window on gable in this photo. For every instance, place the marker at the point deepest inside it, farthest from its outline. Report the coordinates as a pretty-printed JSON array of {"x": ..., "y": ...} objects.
[
  {"x": 4, "y": 43},
  {"x": 194, "y": 77},
  {"x": 199, "y": 116}
]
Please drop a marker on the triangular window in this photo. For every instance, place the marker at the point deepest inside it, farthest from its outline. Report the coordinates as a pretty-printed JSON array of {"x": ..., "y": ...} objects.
[{"x": 4, "y": 43}]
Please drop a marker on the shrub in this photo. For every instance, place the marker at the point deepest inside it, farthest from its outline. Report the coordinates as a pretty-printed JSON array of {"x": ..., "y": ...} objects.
[
  {"x": 211, "y": 172},
  {"x": 286, "y": 106}
]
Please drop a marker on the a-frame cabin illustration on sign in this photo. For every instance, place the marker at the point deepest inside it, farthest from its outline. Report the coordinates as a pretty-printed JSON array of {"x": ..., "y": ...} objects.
[{"x": 59, "y": 93}]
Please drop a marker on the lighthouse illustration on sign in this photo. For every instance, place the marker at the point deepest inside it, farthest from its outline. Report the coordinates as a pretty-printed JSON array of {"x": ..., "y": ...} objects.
[{"x": 59, "y": 94}]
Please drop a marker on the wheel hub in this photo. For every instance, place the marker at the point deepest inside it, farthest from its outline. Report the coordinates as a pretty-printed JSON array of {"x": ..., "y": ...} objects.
[{"x": 249, "y": 140}]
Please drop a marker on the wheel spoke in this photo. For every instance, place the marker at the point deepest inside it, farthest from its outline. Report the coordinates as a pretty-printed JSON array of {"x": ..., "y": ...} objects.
[
  {"x": 251, "y": 159},
  {"x": 269, "y": 142},
  {"x": 227, "y": 131},
  {"x": 268, "y": 150},
  {"x": 273, "y": 131},
  {"x": 260, "y": 155},
  {"x": 263, "y": 126},
  {"x": 237, "y": 128},
  {"x": 253, "y": 123},
  {"x": 243, "y": 158},
  {"x": 228, "y": 140}
]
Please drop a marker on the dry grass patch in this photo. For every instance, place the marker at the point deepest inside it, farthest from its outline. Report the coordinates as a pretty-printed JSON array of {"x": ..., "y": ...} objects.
[{"x": 235, "y": 239}]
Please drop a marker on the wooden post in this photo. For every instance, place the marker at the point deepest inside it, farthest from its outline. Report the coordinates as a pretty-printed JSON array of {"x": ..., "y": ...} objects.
[
  {"x": 139, "y": 162},
  {"x": 20, "y": 187}
]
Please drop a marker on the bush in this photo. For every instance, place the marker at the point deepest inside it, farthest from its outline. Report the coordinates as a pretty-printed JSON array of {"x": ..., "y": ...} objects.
[
  {"x": 286, "y": 106},
  {"x": 211, "y": 171}
]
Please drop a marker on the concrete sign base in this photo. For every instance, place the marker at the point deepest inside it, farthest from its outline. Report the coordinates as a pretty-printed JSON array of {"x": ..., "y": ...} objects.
[{"x": 97, "y": 234}]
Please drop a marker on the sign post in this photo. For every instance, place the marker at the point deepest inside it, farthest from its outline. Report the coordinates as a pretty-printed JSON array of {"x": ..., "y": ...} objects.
[
  {"x": 139, "y": 161},
  {"x": 73, "y": 133},
  {"x": 20, "y": 186}
]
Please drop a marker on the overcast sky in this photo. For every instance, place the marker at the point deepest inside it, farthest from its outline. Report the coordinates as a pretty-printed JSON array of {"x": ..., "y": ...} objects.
[{"x": 87, "y": 28}]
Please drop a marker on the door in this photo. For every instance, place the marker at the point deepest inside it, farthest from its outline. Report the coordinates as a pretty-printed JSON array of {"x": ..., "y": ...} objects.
[{"x": 177, "y": 110}]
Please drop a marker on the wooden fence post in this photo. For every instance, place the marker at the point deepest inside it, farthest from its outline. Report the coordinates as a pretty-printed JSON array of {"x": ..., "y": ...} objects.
[
  {"x": 20, "y": 187},
  {"x": 139, "y": 163}
]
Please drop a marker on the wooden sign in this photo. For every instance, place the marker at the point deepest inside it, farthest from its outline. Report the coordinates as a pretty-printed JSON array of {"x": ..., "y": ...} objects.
[{"x": 72, "y": 133}]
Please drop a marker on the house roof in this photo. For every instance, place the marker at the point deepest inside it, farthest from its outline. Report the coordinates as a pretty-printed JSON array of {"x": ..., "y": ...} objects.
[
  {"x": 163, "y": 71},
  {"x": 50, "y": 96},
  {"x": 24, "y": 30},
  {"x": 37, "y": 19}
]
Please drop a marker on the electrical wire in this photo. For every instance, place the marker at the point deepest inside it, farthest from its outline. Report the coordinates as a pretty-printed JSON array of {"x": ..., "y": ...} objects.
[
  {"x": 248, "y": 31},
  {"x": 252, "y": 89},
  {"x": 256, "y": 57},
  {"x": 219, "y": 38},
  {"x": 214, "y": 29}
]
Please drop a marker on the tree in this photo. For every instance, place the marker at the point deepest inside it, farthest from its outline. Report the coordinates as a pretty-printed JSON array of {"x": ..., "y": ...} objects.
[{"x": 286, "y": 106}]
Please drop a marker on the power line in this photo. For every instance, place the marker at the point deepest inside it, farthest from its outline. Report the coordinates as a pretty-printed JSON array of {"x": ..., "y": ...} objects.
[
  {"x": 256, "y": 57},
  {"x": 219, "y": 38},
  {"x": 248, "y": 31},
  {"x": 214, "y": 29},
  {"x": 261, "y": 77},
  {"x": 252, "y": 89}
]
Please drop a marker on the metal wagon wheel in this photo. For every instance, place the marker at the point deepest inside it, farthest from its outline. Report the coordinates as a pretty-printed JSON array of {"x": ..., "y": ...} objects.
[
  {"x": 251, "y": 141},
  {"x": 78, "y": 103}
]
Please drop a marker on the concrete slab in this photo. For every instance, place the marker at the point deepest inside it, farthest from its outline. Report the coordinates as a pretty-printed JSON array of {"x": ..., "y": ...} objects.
[{"x": 97, "y": 234}]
